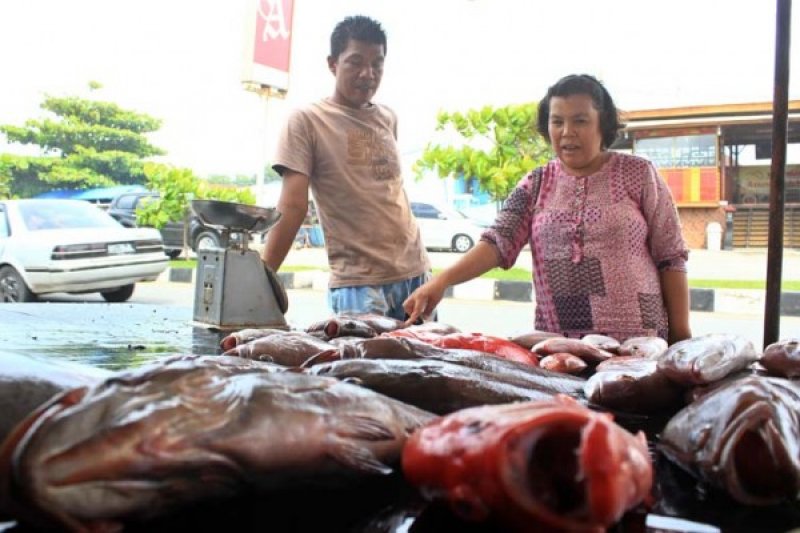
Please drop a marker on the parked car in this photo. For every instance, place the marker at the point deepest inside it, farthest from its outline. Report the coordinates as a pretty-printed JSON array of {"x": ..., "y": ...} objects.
[
  {"x": 198, "y": 235},
  {"x": 445, "y": 228},
  {"x": 49, "y": 246}
]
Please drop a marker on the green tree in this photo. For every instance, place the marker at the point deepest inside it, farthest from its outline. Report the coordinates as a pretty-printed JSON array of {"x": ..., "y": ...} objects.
[
  {"x": 177, "y": 187},
  {"x": 512, "y": 147},
  {"x": 82, "y": 143}
]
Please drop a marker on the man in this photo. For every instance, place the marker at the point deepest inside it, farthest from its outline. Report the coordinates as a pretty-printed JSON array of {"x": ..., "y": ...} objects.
[{"x": 344, "y": 147}]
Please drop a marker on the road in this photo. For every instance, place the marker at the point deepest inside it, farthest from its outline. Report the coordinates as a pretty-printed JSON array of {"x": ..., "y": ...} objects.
[{"x": 492, "y": 317}]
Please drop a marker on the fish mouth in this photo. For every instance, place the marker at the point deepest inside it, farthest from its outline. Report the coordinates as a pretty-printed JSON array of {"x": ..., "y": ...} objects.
[
  {"x": 755, "y": 462},
  {"x": 543, "y": 473}
]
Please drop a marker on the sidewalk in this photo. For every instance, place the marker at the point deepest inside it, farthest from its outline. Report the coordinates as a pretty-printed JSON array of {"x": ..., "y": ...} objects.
[{"x": 747, "y": 264}]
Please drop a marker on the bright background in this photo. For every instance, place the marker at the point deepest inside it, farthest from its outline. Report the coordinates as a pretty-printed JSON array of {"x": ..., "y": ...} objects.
[{"x": 180, "y": 61}]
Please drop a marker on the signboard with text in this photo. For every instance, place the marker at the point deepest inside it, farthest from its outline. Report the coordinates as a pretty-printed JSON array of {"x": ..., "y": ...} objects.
[
  {"x": 688, "y": 160},
  {"x": 268, "y": 35}
]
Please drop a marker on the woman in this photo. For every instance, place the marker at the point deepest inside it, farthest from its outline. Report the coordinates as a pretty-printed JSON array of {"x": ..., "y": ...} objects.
[{"x": 608, "y": 254}]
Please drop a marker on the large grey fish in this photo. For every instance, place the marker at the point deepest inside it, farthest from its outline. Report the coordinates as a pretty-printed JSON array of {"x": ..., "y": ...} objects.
[
  {"x": 650, "y": 347},
  {"x": 705, "y": 359},
  {"x": 433, "y": 385},
  {"x": 26, "y": 382},
  {"x": 782, "y": 358},
  {"x": 743, "y": 437},
  {"x": 529, "y": 339},
  {"x": 288, "y": 348},
  {"x": 246, "y": 335},
  {"x": 354, "y": 325},
  {"x": 511, "y": 372},
  {"x": 146, "y": 442},
  {"x": 632, "y": 384}
]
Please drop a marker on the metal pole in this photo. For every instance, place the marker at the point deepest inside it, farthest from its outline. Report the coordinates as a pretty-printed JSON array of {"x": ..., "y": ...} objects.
[{"x": 780, "y": 106}]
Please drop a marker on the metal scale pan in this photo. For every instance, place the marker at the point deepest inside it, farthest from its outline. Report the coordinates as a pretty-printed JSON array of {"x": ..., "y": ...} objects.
[
  {"x": 233, "y": 287},
  {"x": 236, "y": 218}
]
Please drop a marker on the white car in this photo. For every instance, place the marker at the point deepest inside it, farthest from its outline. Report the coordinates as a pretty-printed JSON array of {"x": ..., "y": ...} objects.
[
  {"x": 445, "y": 228},
  {"x": 49, "y": 246}
]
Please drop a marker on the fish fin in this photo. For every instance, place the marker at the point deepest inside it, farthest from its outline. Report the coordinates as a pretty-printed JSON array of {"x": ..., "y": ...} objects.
[
  {"x": 358, "y": 458},
  {"x": 363, "y": 428}
]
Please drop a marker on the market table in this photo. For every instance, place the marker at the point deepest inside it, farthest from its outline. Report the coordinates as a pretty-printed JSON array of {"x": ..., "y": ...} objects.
[{"x": 119, "y": 336}]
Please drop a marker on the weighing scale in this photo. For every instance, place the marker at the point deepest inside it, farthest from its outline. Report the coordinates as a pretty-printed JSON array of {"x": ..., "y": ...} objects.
[{"x": 234, "y": 289}]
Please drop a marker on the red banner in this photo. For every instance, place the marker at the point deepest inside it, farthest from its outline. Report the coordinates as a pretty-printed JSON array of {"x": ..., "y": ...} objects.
[{"x": 273, "y": 34}]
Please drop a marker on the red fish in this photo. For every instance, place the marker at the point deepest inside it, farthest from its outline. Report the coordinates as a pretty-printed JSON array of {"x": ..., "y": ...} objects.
[
  {"x": 563, "y": 363},
  {"x": 497, "y": 346},
  {"x": 533, "y": 466}
]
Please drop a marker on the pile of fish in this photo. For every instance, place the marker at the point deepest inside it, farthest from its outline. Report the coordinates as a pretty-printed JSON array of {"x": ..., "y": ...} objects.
[{"x": 522, "y": 431}]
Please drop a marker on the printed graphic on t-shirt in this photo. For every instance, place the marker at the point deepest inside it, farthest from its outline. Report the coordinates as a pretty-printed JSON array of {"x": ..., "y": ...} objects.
[{"x": 368, "y": 148}]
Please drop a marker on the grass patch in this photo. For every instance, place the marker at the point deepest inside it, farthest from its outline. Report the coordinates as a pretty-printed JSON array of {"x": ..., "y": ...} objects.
[
  {"x": 520, "y": 274},
  {"x": 182, "y": 263},
  {"x": 740, "y": 284},
  {"x": 192, "y": 263}
]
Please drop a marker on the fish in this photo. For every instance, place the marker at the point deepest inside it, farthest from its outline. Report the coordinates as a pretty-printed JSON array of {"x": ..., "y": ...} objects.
[
  {"x": 246, "y": 335},
  {"x": 650, "y": 347},
  {"x": 586, "y": 351},
  {"x": 782, "y": 358},
  {"x": 28, "y": 381},
  {"x": 604, "y": 342},
  {"x": 513, "y": 372},
  {"x": 550, "y": 465},
  {"x": 632, "y": 384},
  {"x": 145, "y": 443},
  {"x": 742, "y": 437},
  {"x": 530, "y": 338},
  {"x": 427, "y": 331},
  {"x": 705, "y": 359},
  {"x": 497, "y": 346},
  {"x": 355, "y": 325},
  {"x": 563, "y": 363},
  {"x": 436, "y": 386},
  {"x": 288, "y": 348}
]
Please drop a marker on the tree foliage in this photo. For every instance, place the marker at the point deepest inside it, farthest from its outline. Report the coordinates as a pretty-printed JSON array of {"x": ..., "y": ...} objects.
[
  {"x": 177, "y": 187},
  {"x": 501, "y": 146},
  {"x": 83, "y": 143}
]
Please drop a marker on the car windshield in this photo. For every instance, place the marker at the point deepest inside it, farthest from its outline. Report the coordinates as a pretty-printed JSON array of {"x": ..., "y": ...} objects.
[{"x": 54, "y": 214}]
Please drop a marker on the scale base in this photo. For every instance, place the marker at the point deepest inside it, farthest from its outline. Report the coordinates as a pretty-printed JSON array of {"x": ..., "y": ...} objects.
[{"x": 233, "y": 291}]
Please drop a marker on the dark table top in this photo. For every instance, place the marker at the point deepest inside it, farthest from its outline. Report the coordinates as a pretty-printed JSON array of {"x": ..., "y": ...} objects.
[{"x": 118, "y": 336}]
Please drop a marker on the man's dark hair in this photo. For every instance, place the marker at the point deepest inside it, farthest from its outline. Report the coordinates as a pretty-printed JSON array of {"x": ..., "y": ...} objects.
[
  {"x": 360, "y": 28},
  {"x": 601, "y": 99}
]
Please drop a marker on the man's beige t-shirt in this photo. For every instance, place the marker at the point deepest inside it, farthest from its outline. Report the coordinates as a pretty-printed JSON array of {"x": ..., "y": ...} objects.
[{"x": 351, "y": 158}]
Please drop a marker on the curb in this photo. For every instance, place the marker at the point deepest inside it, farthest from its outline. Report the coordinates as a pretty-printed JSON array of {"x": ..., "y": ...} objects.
[{"x": 745, "y": 301}]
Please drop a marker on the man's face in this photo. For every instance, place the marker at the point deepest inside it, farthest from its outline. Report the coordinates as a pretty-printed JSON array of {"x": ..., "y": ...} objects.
[{"x": 358, "y": 71}]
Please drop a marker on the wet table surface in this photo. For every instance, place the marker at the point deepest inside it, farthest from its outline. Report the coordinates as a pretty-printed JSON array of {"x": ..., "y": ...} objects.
[{"x": 119, "y": 336}]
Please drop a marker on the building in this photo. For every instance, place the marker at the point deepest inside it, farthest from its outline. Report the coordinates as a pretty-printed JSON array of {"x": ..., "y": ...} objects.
[{"x": 700, "y": 151}]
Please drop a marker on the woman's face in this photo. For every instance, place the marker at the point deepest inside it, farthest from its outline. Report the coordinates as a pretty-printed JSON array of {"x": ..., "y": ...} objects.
[{"x": 574, "y": 129}]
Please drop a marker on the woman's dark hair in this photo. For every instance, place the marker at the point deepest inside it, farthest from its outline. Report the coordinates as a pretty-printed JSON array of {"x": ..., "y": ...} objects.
[
  {"x": 360, "y": 28},
  {"x": 601, "y": 99}
]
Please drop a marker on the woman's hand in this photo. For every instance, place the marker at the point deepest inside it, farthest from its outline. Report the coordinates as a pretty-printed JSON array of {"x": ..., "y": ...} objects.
[{"x": 424, "y": 300}]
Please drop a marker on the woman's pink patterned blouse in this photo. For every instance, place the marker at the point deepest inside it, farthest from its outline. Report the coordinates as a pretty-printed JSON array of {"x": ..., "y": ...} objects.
[{"x": 598, "y": 245}]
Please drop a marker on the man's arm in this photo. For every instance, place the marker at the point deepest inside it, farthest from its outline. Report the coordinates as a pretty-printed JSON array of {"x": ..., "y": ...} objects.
[
  {"x": 293, "y": 206},
  {"x": 675, "y": 290}
]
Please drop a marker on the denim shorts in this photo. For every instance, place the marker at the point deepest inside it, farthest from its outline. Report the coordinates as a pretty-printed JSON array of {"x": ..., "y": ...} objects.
[{"x": 384, "y": 299}]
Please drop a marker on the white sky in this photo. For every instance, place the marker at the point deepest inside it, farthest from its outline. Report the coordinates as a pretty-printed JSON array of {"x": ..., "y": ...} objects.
[{"x": 180, "y": 61}]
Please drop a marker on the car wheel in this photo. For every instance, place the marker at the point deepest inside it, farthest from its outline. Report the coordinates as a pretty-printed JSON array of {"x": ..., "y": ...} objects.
[
  {"x": 123, "y": 294},
  {"x": 462, "y": 243},
  {"x": 13, "y": 288},
  {"x": 206, "y": 240}
]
